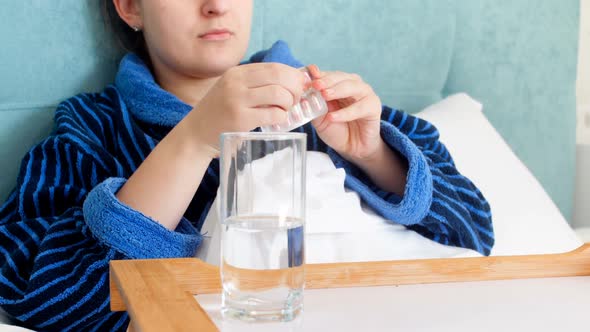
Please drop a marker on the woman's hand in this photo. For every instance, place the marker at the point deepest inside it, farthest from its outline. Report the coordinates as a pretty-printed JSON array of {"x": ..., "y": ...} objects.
[
  {"x": 352, "y": 125},
  {"x": 244, "y": 98}
]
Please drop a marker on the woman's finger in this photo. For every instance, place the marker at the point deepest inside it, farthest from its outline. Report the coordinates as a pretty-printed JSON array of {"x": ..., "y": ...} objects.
[
  {"x": 263, "y": 74},
  {"x": 275, "y": 95},
  {"x": 329, "y": 79},
  {"x": 314, "y": 71},
  {"x": 268, "y": 116},
  {"x": 359, "y": 110},
  {"x": 354, "y": 89}
]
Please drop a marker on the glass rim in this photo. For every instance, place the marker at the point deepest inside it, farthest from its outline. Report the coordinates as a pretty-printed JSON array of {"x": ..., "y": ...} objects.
[{"x": 278, "y": 136}]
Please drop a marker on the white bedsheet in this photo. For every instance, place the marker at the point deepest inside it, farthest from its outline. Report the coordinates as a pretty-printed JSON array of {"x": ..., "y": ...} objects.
[{"x": 340, "y": 228}]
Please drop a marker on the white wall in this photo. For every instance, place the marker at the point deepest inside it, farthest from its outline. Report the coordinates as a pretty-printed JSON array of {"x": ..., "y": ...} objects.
[{"x": 581, "y": 217}]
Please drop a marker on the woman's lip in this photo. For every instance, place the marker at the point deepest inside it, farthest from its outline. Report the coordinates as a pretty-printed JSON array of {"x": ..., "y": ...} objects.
[{"x": 216, "y": 35}]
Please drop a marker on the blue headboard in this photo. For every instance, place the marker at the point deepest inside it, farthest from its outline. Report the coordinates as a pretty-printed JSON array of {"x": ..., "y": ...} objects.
[{"x": 517, "y": 57}]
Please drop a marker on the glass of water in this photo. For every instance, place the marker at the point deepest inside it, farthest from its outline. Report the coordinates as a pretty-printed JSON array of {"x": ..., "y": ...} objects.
[{"x": 262, "y": 190}]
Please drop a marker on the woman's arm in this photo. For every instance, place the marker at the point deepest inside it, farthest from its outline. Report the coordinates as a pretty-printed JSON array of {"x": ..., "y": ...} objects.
[
  {"x": 438, "y": 202},
  {"x": 244, "y": 98},
  {"x": 165, "y": 183},
  {"x": 430, "y": 195},
  {"x": 386, "y": 168},
  {"x": 62, "y": 225}
]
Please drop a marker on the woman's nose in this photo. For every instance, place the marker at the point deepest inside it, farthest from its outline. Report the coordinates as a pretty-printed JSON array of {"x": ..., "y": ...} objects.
[{"x": 215, "y": 7}]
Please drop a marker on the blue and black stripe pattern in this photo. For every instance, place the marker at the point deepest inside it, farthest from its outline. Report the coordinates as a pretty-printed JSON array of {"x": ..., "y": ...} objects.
[
  {"x": 458, "y": 215},
  {"x": 62, "y": 224}
]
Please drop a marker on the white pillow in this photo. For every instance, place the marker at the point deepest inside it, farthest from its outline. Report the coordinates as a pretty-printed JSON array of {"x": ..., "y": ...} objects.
[
  {"x": 6, "y": 321},
  {"x": 525, "y": 219}
]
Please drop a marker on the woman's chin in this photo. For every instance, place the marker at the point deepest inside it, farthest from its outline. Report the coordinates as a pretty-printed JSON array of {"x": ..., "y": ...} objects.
[
  {"x": 217, "y": 64},
  {"x": 209, "y": 60}
]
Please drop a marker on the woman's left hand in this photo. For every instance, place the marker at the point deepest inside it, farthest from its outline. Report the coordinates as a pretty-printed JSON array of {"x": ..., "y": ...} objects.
[{"x": 352, "y": 125}]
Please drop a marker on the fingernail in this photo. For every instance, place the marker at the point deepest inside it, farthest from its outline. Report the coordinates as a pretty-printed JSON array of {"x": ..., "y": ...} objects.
[
  {"x": 314, "y": 70},
  {"x": 328, "y": 92}
]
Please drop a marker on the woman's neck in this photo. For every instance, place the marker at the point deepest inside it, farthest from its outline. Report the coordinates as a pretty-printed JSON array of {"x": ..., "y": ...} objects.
[{"x": 187, "y": 88}]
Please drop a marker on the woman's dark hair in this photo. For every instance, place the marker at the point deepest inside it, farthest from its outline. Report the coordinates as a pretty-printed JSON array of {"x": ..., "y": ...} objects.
[{"x": 129, "y": 40}]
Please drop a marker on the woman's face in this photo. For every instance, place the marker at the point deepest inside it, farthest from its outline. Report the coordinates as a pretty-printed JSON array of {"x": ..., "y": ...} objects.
[{"x": 198, "y": 38}]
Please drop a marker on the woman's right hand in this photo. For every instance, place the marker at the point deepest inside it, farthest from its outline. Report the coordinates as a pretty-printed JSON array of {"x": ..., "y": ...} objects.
[{"x": 244, "y": 98}]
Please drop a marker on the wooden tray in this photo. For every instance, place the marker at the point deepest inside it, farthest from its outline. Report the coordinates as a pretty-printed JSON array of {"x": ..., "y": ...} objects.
[{"x": 158, "y": 294}]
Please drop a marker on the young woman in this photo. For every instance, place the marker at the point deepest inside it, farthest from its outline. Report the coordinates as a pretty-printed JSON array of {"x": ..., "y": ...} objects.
[{"x": 131, "y": 172}]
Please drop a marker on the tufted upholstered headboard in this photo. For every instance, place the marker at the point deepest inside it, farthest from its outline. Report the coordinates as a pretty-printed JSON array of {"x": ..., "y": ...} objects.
[{"x": 517, "y": 57}]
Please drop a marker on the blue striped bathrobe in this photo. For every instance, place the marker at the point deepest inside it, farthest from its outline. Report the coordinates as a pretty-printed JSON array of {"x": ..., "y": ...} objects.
[{"x": 62, "y": 224}]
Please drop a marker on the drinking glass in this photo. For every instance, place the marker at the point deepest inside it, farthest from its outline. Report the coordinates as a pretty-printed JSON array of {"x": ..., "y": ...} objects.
[{"x": 262, "y": 211}]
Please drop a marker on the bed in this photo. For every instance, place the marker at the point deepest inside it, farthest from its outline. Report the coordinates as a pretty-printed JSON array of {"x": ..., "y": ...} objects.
[{"x": 506, "y": 69}]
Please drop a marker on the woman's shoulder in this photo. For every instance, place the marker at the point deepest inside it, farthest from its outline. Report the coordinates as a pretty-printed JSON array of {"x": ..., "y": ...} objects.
[
  {"x": 96, "y": 103},
  {"x": 90, "y": 108},
  {"x": 89, "y": 115}
]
